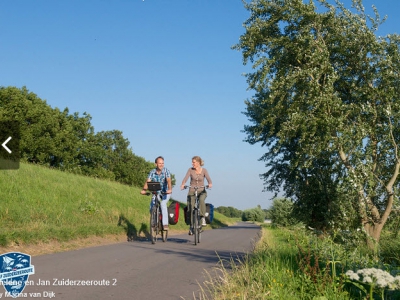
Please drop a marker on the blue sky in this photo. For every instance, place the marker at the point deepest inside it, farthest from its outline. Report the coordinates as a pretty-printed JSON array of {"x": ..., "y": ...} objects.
[{"x": 161, "y": 71}]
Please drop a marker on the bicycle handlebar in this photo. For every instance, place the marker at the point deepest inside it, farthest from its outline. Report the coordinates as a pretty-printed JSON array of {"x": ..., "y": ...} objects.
[
  {"x": 155, "y": 192},
  {"x": 196, "y": 187}
]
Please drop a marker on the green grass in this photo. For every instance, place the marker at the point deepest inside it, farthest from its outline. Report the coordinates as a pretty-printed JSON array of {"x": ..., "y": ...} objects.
[
  {"x": 39, "y": 204},
  {"x": 291, "y": 264}
]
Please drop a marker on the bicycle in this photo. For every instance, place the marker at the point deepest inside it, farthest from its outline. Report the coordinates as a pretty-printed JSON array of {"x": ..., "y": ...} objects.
[
  {"x": 156, "y": 226},
  {"x": 196, "y": 225}
]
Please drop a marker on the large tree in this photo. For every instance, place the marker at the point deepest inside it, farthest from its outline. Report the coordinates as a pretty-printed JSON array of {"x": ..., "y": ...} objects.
[{"x": 327, "y": 90}]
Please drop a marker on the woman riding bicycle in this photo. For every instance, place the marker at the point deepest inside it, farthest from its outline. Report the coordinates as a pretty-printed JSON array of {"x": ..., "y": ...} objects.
[
  {"x": 162, "y": 175},
  {"x": 197, "y": 175}
]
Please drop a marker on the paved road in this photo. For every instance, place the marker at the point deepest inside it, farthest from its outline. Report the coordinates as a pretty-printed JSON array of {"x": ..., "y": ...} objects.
[{"x": 138, "y": 269}]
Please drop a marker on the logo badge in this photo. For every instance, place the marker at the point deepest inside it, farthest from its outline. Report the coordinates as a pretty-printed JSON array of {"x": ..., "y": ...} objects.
[{"x": 15, "y": 268}]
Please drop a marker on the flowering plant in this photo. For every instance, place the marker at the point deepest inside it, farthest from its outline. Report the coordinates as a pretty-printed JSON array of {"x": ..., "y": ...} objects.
[{"x": 375, "y": 278}]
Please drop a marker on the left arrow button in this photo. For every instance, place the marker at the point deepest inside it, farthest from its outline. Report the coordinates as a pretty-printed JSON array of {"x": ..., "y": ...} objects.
[
  {"x": 9, "y": 145},
  {"x": 4, "y": 144}
]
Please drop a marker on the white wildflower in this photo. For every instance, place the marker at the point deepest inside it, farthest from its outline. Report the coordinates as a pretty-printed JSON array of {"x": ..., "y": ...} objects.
[
  {"x": 381, "y": 282},
  {"x": 352, "y": 275},
  {"x": 376, "y": 277},
  {"x": 396, "y": 282},
  {"x": 367, "y": 279}
]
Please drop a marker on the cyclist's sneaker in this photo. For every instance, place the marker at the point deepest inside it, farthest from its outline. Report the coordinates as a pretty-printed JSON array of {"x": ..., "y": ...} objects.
[
  {"x": 190, "y": 231},
  {"x": 165, "y": 227},
  {"x": 203, "y": 221}
]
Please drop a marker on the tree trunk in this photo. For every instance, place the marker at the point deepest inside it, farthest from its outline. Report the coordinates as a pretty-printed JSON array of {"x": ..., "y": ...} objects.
[
  {"x": 374, "y": 233},
  {"x": 372, "y": 219},
  {"x": 373, "y": 226}
]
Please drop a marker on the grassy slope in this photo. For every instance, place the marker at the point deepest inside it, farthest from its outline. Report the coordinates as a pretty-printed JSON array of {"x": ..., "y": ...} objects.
[{"x": 39, "y": 205}]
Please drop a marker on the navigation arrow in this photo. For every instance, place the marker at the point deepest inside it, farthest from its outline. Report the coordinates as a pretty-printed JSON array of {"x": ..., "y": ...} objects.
[{"x": 4, "y": 144}]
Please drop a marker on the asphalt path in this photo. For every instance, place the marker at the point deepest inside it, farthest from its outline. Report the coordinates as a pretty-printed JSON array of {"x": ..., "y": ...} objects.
[{"x": 140, "y": 270}]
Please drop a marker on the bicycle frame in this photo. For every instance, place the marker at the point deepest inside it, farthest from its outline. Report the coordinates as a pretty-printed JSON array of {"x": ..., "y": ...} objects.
[
  {"x": 156, "y": 226},
  {"x": 195, "y": 222}
]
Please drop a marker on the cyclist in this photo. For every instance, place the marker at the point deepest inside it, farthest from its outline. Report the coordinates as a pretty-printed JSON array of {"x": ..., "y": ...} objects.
[
  {"x": 197, "y": 175},
  {"x": 162, "y": 175}
]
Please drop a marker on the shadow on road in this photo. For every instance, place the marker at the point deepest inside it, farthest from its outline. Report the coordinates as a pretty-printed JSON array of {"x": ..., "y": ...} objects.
[
  {"x": 159, "y": 240},
  {"x": 177, "y": 240},
  {"x": 132, "y": 233},
  {"x": 217, "y": 256},
  {"x": 225, "y": 257}
]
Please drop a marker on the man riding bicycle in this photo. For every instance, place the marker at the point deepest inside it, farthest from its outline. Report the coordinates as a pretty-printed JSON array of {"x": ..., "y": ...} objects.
[{"x": 162, "y": 175}]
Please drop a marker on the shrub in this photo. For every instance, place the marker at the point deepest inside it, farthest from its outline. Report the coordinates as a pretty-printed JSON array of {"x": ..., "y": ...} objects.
[
  {"x": 254, "y": 214},
  {"x": 281, "y": 212}
]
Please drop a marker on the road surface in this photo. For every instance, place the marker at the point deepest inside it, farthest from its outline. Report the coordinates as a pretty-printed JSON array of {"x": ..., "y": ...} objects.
[{"x": 140, "y": 270}]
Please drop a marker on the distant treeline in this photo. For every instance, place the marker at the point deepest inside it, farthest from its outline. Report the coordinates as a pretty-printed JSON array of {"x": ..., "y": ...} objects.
[
  {"x": 253, "y": 214},
  {"x": 68, "y": 142},
  {"x": 229, "y": 211}
]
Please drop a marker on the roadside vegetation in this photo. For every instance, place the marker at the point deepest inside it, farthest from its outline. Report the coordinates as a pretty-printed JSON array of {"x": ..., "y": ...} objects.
[
  {"x": 295, "y": 263},
  {"x": 42, "y": 205}
]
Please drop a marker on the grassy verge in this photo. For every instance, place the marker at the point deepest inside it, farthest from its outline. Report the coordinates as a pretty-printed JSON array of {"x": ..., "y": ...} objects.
[
  {"x": 265, "y": 274},
  {"x": 40, "y": 205},
  {"x": 290, "y": 264}
]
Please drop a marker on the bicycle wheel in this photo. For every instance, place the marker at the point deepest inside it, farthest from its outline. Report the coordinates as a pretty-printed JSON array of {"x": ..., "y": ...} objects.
[
  {"x": 195, "y": 225},
  {"x": 200, "y": 228},
  {"x": 153, "y": 225},
  {"x": 164, "y": 233}
]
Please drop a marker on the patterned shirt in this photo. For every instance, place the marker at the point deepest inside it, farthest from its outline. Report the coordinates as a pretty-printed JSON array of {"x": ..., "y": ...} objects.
[{"x": 162, "y": 177}]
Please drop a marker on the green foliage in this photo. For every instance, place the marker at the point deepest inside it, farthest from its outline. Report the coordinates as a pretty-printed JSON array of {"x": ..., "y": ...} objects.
[
  {"x": 57, "y": 139},
  {"x": 326, "y": 108},
  {"x": 267, "y": 213},
  {"x": 393, "y": 223},
  {"x": 229, "y": 211},
  {"x": 281, "y": 212},
  {"x": 254, "y": 215},
  {"x": 389, "y": 249},
  {"x": 89, "y": 207}
]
